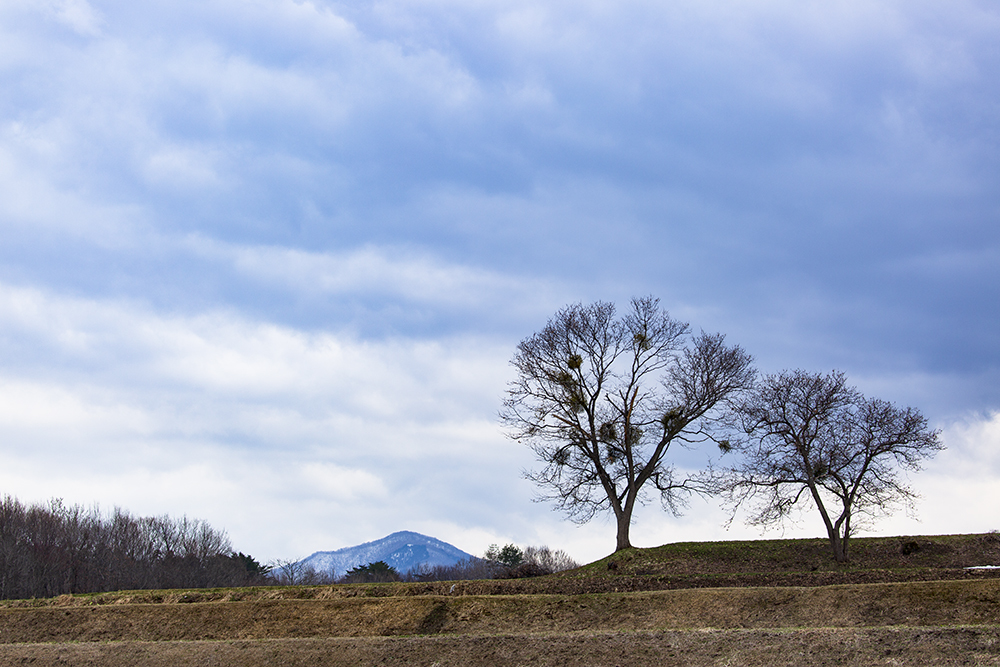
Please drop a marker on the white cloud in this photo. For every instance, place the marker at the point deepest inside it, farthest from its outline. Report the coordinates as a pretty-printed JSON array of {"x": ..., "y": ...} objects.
[
  {"x": 344, "y": 484},
  {"x": 958, "y": 488},
  {"x": 182, "y": 167},
  {"x": 77, "y": 15},
  {"x": 414, "y": 277},
  {"x": 48, "y": 414},
  {"x": 227, "y": 355},
  {"x": 204, "y": 414},
  {"x": 973, "y": 448},
  {"x": 33, "y": 202}
]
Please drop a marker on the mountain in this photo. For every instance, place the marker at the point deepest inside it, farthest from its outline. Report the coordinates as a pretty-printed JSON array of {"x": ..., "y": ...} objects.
[{"x": 404, "y": 551}]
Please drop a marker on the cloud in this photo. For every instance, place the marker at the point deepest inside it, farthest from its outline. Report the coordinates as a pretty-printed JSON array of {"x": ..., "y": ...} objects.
[
  {"x": 341, "y": 109},
  {"x": 237, "y": 232},
  {"x": 222, "y": 353},
  {"x": 53, "y": 413},
  {"x": 958, "y": 487},
  {"x": 413, "y": 277},
  {"x": 343, "y": 483},
  {"x": 33, "y": 207},
  {"x": 973, "y": 448},
  {"x": 145, "y": 405},
  {"x": 77, "y": 15},
  {"x": 182, "y": 167}
]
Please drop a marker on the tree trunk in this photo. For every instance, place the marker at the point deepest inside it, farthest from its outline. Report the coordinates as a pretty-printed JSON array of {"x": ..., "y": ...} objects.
[
  {"x": 623, "y": 513},
  {"x": 832, "y": 531},
  {"x": 839, "y": 546},
  {"x": 623, "y": 541},
  {"x": 624, "y": 523}
]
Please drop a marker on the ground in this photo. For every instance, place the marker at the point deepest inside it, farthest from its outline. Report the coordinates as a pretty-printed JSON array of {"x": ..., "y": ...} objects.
[{"x": 901, "y": 601}]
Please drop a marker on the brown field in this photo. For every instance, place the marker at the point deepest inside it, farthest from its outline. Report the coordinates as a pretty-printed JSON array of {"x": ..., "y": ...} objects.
[{"x": 901, "y": 601}]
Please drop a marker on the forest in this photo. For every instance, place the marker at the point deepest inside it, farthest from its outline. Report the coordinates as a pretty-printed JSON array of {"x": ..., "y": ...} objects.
[
  {"x": 51, "y": 549},
  {"x": 54, "y": 549}
]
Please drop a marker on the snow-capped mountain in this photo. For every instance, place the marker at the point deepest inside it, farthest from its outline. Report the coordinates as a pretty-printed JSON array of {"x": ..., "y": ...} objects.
[{"x": 404, "y": 551}]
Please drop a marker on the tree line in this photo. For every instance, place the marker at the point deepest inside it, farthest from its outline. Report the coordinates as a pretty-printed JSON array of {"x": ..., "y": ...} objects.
[
  {"x": 508, "y": 562},
  {"x": 604, "y": 401},
  {"x": 52, "y": 549}
]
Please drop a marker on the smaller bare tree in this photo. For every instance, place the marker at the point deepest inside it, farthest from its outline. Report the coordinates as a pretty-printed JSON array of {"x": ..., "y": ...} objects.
[
  {"x": 813, "y": 436},
  {"x": 289, "y": 572}
]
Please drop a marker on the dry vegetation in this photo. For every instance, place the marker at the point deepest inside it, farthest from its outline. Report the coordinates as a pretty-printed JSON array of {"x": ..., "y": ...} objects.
[{"x": 900, "y": 601}]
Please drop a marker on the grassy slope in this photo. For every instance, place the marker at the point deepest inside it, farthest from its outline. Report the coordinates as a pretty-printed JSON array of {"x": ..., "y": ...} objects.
[{"x": 866, "y": 553}]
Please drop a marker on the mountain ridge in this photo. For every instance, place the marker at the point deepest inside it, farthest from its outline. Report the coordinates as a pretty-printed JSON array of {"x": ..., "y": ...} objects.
[{"x": 404, "y": 550}]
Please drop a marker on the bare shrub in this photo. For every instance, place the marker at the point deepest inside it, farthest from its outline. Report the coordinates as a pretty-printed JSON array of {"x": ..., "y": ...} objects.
[
  {"x": 509, "y": 562},
  {"x": 551, "y": 561},
  {"x": 463, "y": 570}
]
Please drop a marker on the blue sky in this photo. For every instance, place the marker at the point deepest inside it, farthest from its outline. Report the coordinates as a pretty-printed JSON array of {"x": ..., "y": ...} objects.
[{"x": 264, "y": 262}]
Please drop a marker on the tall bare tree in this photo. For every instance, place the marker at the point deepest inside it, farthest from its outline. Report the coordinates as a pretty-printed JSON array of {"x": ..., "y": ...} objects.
[
  {"x": 602, "y": 400},
  {"x": 811, "y": 436}
]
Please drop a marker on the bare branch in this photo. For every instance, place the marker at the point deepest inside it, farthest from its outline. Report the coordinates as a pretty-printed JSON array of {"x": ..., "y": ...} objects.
[
  {"x": 600, "y": 400},
  {"x": 811, "y": 435}
]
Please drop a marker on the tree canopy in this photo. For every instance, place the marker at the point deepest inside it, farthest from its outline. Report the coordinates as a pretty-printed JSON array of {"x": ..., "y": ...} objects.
[
  {"x": 379, "y": 571},
  {"x": 810, "y": 436},
  {"x": 602, "y": 400}
]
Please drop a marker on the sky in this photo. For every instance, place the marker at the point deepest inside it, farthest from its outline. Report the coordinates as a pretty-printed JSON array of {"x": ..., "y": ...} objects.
[{"x": 265, "y": 262}]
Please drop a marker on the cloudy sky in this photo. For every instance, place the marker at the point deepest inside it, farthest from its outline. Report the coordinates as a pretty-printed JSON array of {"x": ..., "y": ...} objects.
[{"x": 264, "y": 262}]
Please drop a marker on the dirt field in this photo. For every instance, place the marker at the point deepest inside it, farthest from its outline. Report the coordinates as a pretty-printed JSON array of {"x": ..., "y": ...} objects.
[
  {"x": 752, "y": 648},
  {"x": 940, "y": 603},
  {"x": 665, "y": 606}
]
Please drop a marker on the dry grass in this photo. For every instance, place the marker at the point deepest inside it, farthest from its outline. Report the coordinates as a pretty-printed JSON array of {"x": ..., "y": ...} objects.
[
  {"x": 942, "y": 603},
  {"x": 696, "y": 648},
  {"x": 666, "y": 605}
]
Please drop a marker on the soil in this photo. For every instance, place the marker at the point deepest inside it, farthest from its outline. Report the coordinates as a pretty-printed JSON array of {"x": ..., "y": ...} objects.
[{"x": 750, "y": 648}]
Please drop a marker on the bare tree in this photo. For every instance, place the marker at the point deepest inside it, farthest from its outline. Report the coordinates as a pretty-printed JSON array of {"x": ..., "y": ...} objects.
[
  {"x": 811, "y": 436},
  {"x": 548, "y": 560},
  {"x": 601, "y": 401},
  {"x": 54, "y": 548},
  {"x": 288, "y": 571}
]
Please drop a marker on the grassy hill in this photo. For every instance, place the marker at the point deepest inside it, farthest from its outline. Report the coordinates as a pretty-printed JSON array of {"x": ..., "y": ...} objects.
[{"x": 901, "y": 600}]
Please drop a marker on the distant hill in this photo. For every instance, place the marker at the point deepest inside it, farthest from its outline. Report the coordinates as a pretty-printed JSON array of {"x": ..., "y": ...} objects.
[{"x": 404, "y": 551}]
